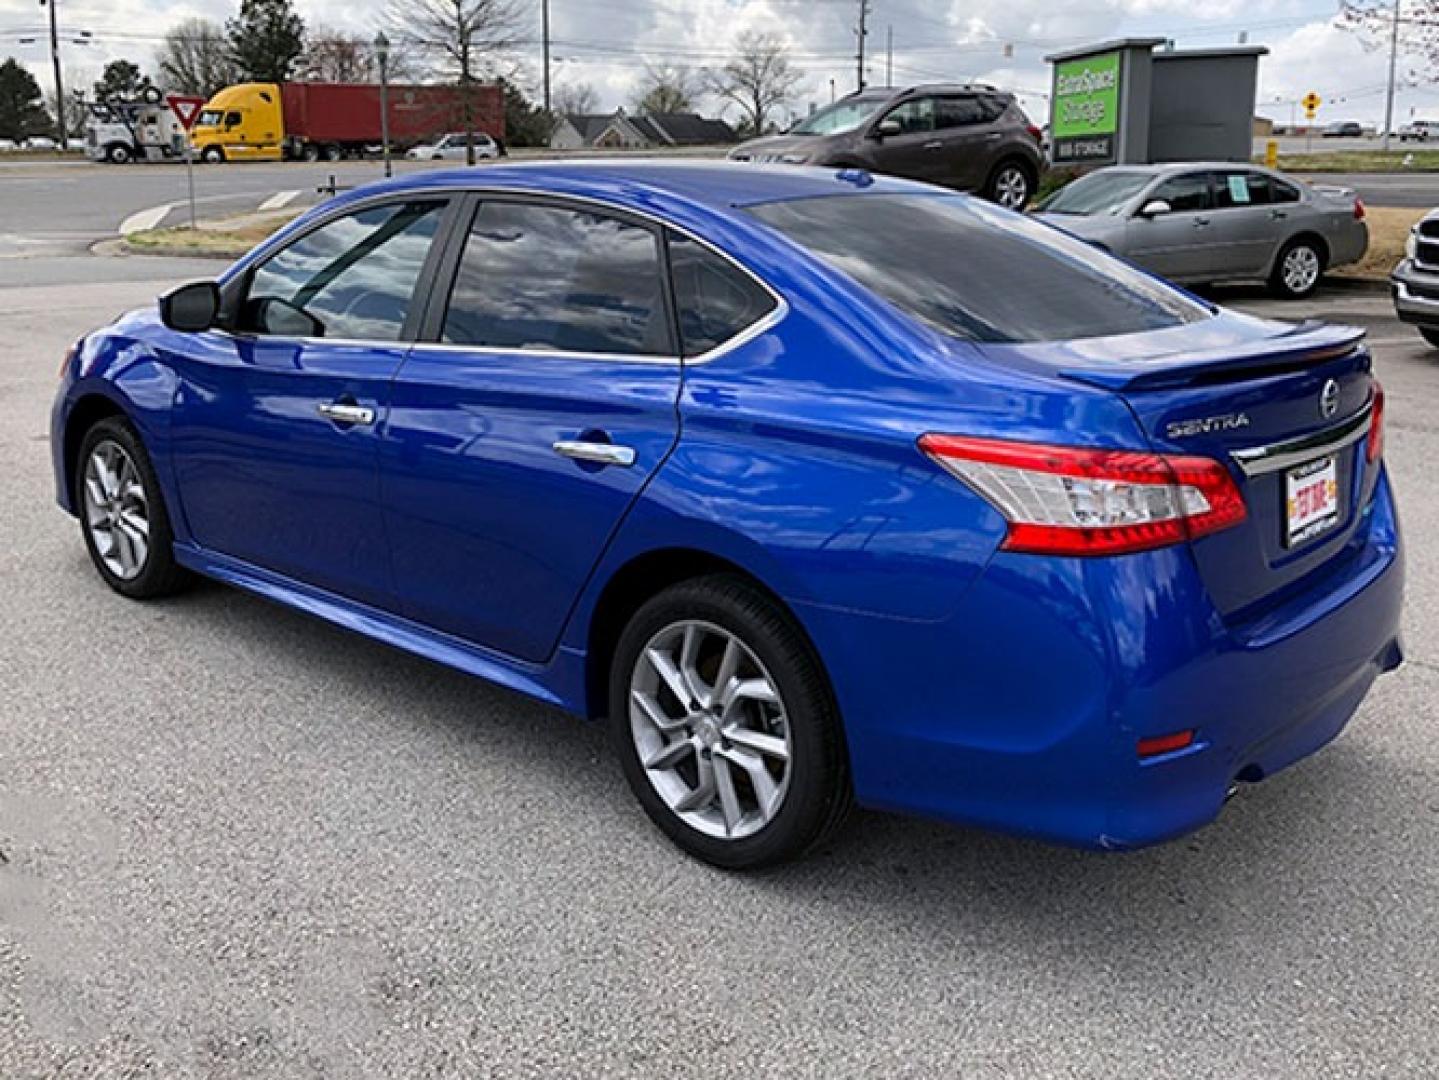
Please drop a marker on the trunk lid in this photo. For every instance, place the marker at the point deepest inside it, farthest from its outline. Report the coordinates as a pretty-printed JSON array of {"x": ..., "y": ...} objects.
[{"x": 1274, "y": 403}]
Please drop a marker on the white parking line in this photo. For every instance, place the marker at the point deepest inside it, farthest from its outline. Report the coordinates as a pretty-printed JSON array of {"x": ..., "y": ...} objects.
[
  {"x": 145, "y": 219},
  {"x": 279, "y": 200}
]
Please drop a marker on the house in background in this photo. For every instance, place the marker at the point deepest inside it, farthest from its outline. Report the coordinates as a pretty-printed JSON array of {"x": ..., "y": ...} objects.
[{"x": 620, "y": 131}]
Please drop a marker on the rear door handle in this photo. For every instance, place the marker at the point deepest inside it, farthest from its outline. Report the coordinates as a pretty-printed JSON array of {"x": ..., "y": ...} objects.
[
  {"x": 600, "y": 453},
  {"x": 1200, "y": 222},
  {"x": 347, "y": 412},
  {"x": 1278, "y": 215},
  {"x": 933, "y": 144}
]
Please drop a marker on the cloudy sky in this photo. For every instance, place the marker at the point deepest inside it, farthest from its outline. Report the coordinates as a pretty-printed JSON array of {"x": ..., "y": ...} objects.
[{"x": 606, "y": 43}]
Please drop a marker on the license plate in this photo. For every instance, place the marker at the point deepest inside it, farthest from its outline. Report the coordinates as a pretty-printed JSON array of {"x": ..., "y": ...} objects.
[{"x": 1311, "y": 499}]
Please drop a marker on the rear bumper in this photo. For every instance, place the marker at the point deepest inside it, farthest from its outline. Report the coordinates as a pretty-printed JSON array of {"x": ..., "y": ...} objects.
[
  {"x": 1416, "y": 295},
  {"x": 1023, "y": 712}
]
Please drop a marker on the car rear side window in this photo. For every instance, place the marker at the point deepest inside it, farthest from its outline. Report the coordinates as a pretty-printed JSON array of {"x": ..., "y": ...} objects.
[
  {"x": 1240, "y": 188},
  {"x": 716, "y": 299},
  {"x": 551, "y": 277},
  {"x": 962, "y": 110},
  {"x": 353, "y": 277},
  {"x": 973, "y": 270}
]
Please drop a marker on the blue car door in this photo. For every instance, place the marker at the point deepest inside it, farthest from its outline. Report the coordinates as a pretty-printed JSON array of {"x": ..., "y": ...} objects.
[
  {"x": 276, "y": 424},
  {"x": 524, "y": 429}
]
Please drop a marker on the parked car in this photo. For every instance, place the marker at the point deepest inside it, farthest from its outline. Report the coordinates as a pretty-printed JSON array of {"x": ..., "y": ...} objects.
[
  {"x": 453, "y": 147},
  {"x": 1415, "y": 280},
  {"x": 40, "y": 142},
  {"x": 753, "y": 462},
  {"x": 1199, "y": 223},
  {"x": 1343, "y": 129},
  {"x": 1418, "y": 131},
  {"x": 967, "y": 137},
  {"x": 8, "y": 145}
]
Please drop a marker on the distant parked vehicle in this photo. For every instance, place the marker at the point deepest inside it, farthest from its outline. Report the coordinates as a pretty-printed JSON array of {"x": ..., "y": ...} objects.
[
  {"x": 8, "y": 145},
  {"x": 1416, "y": 279},
  {"x": 970, "y": 137},
  {"x": 1199, "y": 222},
  {"x": 40, "y": 142},
  {"x": 329, "y": 121},
  {"x": 120, "y": 132},
  {"x": 1419, "y": 131},
  {"x": 452, "y": 147},
  {"x": 1343, "y": 129}
]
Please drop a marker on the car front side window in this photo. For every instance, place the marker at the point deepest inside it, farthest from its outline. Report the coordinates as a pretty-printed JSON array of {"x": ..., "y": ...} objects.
[
  {"x": 914, "y": 116},
  {"x": 353, "y": 277},
  {"x": 545, "y": 277},
  {"x": 1185, "y": 194}
]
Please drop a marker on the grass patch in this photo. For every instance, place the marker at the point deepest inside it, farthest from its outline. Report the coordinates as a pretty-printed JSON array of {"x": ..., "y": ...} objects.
[
  {"x": 1388, "y": 228},
  {"x": 228, "y": 238},
  {"x": 1361, "y": 161}
]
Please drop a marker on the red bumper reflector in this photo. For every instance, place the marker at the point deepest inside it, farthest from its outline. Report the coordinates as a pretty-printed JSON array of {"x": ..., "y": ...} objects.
[{"x": 1165, "y": 744}]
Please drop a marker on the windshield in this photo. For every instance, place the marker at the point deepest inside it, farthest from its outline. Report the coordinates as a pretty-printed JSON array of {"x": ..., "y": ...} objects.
[
  {"x": 1098, "y": 193},
  {"x": 840, "y": 117},
  {"x": 973, "y": 270}
]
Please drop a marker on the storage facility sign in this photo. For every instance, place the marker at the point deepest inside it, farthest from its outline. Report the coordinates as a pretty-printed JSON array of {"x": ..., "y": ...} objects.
[{"x": 1085, "y": 117}]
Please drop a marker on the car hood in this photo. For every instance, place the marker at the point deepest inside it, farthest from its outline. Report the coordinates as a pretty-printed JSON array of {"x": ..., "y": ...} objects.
[{"x": 773, "y": 147}]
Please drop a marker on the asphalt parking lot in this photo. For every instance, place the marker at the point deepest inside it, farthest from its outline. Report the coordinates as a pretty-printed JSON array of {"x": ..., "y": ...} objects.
[{"x": 238, "y": 842}]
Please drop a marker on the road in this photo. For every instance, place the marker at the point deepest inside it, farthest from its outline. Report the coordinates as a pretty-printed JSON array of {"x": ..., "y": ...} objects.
[{"x": 238, "y": 842}]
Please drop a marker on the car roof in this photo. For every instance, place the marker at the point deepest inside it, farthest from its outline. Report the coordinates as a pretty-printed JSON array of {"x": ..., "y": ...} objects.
[{"x": 640, "y": 183}]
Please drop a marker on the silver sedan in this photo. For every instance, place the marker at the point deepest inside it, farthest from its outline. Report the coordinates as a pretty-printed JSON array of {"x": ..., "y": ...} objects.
[{"x": 1203, "y": 222}]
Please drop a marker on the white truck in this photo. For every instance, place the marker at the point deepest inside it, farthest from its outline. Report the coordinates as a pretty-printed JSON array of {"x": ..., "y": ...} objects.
[{"x": 120, "y": 131}]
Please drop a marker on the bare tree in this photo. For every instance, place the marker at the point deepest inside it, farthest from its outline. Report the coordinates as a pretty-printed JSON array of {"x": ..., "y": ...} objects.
[
  {"x": 334, "y": 56},
  {"x": 667, "y": 88},
  {"x": 466, "y": 39},
  {"x": 1418, "y": 32},
  {"x": 570, "y": 99},
  {"x": 759, "y": 79},
  {"x": 195, "y": 59}
]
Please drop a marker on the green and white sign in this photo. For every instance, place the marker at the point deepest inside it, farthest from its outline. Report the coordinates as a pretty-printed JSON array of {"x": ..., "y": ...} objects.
[{"x": 1085, "y": 115}]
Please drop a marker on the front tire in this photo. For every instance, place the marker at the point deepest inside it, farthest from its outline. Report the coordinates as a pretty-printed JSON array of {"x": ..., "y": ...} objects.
[
  {"x": 1009, "y": 185},
  {"x": 118, "y": 154},
  {"x": 122, "y": 514},
  {"x": 725, "y": 725},
  {"x": 1298, "y": 269},
  {"x": 212, "y": 155}
]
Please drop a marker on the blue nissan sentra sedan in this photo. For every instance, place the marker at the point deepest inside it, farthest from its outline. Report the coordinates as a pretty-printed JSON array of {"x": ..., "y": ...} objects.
[{"x": 821, "y": 487}]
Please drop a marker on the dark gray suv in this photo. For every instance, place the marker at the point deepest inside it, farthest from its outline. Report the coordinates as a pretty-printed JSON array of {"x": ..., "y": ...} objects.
[{"x": 971, "y": 137}]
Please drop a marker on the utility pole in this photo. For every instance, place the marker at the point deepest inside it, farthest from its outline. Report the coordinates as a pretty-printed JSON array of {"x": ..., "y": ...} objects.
[
  {"x": 382, "y": 53},
  {"x": 64, "y": 132},
  {"x": 861, "y": 32},
  {"x": 1389, "y": 97},
  {"x": 889, "y": 55},
  {"x": 545, "y": 36}
]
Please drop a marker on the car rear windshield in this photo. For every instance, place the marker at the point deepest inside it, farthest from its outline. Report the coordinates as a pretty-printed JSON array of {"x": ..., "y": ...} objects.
[
  {"x": 973, "y": 270},
  {"x": 1101, "y": 192}
]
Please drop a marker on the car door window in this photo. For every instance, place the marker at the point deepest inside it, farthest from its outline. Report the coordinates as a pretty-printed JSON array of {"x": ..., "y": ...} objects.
[
  {"x": 1186, "y": 193},
  {"x": 915, "y": 115},
  {"x": 535, "y": 276},
  {"x": 1282, "y": 192},
  {"x": 353, "y": 277},
  {"x": 961, "y": 110},
  {"x": 1239, "y": 189},
  {"x": 716, "y": 299}
]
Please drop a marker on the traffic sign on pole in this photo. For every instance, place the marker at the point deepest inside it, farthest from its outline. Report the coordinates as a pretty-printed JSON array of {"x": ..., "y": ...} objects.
[{"x": 187, "y": 111}]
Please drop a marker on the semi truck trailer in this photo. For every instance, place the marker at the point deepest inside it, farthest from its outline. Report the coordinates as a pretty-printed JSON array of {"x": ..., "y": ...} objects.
[{"x": 329, "y": 121}]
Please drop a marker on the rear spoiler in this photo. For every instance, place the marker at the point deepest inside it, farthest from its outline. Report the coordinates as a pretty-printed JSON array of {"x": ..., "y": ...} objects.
[{"x": 1305, "y": 345}]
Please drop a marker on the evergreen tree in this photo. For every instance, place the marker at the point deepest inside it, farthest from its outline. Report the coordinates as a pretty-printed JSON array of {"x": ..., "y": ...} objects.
[
  {"x": 22, "y": 105},
  {"x": 267, "y": 37}
]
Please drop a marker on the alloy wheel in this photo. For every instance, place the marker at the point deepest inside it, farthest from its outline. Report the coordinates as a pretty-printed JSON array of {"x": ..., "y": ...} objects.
[
  {"x": 1301, "y": 269},
  {"x": 1011, "y": 188},
  {"x": 117, "y": 513},
  {"x": 710, "y": 729}
]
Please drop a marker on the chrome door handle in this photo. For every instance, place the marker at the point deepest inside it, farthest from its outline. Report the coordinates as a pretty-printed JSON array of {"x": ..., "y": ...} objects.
[
  {"x": 1278, "y": 215},
  {"x": 342, "y": 412},
  {"x": 933, "y": 144},
  {"x": 1200, "y": 222},
  {"x": 601, "y": 453}
]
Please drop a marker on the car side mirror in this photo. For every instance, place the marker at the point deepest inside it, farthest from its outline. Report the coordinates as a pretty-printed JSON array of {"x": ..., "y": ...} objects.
[
  {"x": 191, "y": 309},
  {"x": 1154, "y": 208},
  {"x": 885, "y": 128}
]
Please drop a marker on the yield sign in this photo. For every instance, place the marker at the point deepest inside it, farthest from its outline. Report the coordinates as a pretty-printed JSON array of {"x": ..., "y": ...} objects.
[{"x": 186, "y": 109}]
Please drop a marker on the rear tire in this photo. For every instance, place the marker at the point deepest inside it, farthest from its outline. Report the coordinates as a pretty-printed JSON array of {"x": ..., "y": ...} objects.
[
  {"x": 310, "y": 152},
  {"x": 122, "y": 513},
  {"x": 1430, "y": 334},
  {"x": 1298, "y": 269},
  {"x": 751, "y": 770},
  {"x": 1010, "y": 185},
  {"x": 333, "y": 153}
]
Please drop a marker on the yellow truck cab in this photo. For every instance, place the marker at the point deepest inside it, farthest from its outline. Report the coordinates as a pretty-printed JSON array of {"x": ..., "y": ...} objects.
[{"x": 241, "y": 123}]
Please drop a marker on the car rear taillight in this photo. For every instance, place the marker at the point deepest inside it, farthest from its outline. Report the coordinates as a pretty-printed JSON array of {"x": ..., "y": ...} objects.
[
  {"x": 1066, "y": 500},
  {"x": 1358, "y": 209},
  {"x": 1375, "y": 445}
]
